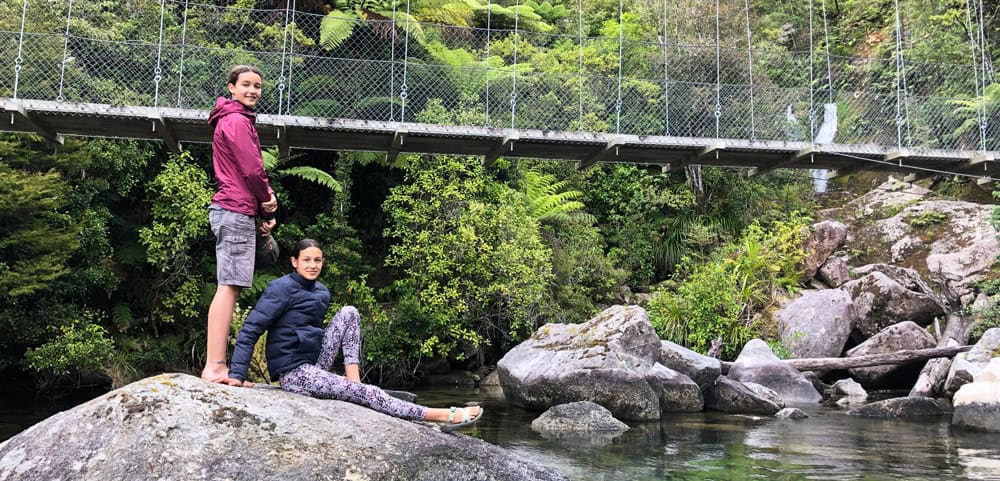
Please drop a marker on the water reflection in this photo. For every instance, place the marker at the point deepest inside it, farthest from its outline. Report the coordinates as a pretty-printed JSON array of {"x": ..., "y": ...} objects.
[{"x": 829, "y": 445}]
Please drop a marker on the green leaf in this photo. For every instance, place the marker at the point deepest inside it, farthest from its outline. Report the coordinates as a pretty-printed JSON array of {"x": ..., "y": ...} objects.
[
  {"x": 336, "y": 27},
  {"x": 312, "y": 174}
]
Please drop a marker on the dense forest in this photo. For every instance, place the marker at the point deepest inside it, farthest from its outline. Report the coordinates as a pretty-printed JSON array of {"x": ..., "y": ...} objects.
[{"x": 107, "y": 260}]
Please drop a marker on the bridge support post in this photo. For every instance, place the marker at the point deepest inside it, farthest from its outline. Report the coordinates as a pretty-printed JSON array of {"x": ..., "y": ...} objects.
[
  {"x": 611, "y": 148},
  {"x": 20, "y": 115},
  {"x": 507, "y": 145},
  {"x": 166, "y": 133}
]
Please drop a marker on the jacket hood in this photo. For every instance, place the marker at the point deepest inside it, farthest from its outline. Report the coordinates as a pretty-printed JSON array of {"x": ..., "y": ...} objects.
[{"x": 224, "y": 107}]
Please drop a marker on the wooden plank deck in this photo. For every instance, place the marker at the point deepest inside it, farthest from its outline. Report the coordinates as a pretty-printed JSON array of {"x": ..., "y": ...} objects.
[{"x": 175, "y": 127}]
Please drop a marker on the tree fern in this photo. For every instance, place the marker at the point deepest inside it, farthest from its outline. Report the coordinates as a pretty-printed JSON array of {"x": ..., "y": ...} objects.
[
  {"x": 547, "y": 204},
  {"x": 314, "y": 175},
  {"x": 970, "y": 108},
  {"x": 336, "y": 27},
  {"x": 272, "y": 164},
  {"x": 450, "y": 13}
]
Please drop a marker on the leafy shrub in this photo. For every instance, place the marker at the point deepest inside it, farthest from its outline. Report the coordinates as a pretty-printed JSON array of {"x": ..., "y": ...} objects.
[
  {"x": 723, "y": 296},
  {"x": 81, "y": 347},
  {"x": 473, "y": 266}
]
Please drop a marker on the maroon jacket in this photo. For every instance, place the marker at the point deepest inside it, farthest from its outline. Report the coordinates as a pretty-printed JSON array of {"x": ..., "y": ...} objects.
[{"x": 236, "y": 157}]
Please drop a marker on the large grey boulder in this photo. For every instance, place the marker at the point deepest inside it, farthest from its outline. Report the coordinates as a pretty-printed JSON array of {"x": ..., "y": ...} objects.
[
  {"x": 880, "y": 301},
  {"x": 824, "y": 238},
  {"x": 700, "y": 368},
  {"x": 611, "y": 360},
  {"x": 817, "y": 324},
  {"x": 900, "y": 407},
  {"x": 897, "y": 337},
  {"x": 972, "y": 362},
  {"x": 977, "y": 404},
  {"x": 966, "y": 247},
  {"x": 578, "y": 416},
  {"x": 730, "y": 396},
  {"x": 834, "y": 272},
  {"x": 176, "y": 426},
  {"x": 757, "y": 364}
]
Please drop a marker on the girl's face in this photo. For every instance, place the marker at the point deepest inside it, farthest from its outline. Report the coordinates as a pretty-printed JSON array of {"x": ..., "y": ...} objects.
[
  {"x": 309, "y": 263},
  {"x": 246, "y": 90}
]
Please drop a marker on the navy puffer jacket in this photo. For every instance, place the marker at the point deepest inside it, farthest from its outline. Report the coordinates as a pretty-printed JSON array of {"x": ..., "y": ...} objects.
[{"x": 291, "y": 310}]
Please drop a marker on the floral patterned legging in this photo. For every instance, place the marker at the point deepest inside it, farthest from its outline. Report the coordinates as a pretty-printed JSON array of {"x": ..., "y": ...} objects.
[{"x": 317, "y": 381}]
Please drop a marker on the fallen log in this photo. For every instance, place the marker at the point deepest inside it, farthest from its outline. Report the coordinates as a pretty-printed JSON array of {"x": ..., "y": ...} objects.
[{"x": 898, "y": 357}]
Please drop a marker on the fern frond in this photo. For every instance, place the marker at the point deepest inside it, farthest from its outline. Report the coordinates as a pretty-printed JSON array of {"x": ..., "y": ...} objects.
[
  {"x": 270, "y": 158},
  {"x": 121, "y": 314},
  {"x": 547, "y": 204},
  {"x": 312, "y": 174},
  {"x": 451, "y": 13},
  {"x": 336, "y": 27}
]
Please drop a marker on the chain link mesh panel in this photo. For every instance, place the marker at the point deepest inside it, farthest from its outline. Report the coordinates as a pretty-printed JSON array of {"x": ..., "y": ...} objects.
[{"x": 175, "y": 53}]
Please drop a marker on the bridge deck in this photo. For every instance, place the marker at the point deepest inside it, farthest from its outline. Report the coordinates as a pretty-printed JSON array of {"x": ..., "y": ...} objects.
[{"x": 176, "y": 126}]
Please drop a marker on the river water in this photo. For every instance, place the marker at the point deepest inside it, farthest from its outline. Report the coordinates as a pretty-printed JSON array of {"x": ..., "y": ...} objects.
[{"x": 829, "y": 445}]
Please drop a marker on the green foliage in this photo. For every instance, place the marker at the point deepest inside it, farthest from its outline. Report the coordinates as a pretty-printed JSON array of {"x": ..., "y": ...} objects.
[
  {"x": 547, "y": 202},
  {"x": 180, "y": 193},
  {"x": 37, "y": 236},
  {"x": 336, "y": 27},
  {"x": 276, "y": 170},
  {"x": 473, "y": 266},
  {"x": 926, "y": 219},
  {"x": 81, "y": 347},
  {"x": 723, "y": 296}
]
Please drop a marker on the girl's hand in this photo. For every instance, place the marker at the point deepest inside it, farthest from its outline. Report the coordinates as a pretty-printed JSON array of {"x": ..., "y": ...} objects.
[
  {"x": 271, "y": 205},
  {"x": 267, "y": 226}
]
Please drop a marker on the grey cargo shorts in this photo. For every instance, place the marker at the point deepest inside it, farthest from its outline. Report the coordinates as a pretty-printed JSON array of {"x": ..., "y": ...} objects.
[{"x": 235, "y": 238}]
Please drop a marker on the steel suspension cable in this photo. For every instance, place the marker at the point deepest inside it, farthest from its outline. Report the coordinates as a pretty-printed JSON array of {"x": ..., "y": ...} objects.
[
  {"x": 513, "y": 89},
  {"x": 406, "y": 56},
  {"x": 180, "y": 72},
  {"x": 62, "y": 65},
  {"x": 618, "y": 103},
  {"x": 753, "y": 124},
  {"x": 392, "y": 66},
  {"x": 980, "y": 104},
  {"x": 291, "y": 56},
  {"x": 20, "y": 47},
  {"x": 489, "y": 27},
  {"x": 281, "y": 77},
  {"x": 158, "y": 70},
  {"x": 826, "y": 44},
  {"x": 579, "y": 127},
  {"x": 982, "y": 78},
  {"x": 718, "y": 73},
  {"x": 666, "y": 66},
  {"x": 812, "y": 80},
  {"x": 899, "y": 83}
]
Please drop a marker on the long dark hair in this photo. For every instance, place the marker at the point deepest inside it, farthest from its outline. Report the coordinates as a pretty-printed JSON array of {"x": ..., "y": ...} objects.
[
  {"x": 234, "y": 73},
  {"x": 303, "y": 245}
]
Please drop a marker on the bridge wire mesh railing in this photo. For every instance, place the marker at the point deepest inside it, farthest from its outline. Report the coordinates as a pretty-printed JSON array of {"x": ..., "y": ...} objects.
[{"x": 176, "y": 53}]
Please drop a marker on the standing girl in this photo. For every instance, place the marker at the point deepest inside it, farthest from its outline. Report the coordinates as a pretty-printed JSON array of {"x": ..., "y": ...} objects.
[
  {"x": 300, "y": 352},
  {"x": 244, "y": 194}
]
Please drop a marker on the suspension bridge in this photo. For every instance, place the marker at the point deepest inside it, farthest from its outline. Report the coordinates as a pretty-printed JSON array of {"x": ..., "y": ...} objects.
[{"x": 386, "y": 82}]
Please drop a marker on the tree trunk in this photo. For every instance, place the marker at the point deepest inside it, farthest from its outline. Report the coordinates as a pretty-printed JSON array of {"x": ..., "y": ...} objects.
[
  {"x": 932, "y": 376},
  {"x": 696, "y": 183},
  {"x": 898, "y": 357},
  {"x": 930, "y": 383}
]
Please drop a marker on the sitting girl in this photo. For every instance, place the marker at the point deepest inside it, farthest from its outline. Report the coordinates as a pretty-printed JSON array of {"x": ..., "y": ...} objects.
[{"x": 300, "y": 352}]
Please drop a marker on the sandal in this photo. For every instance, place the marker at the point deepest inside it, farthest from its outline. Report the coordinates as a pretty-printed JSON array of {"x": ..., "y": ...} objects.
[{"x": 451, "y": 425}]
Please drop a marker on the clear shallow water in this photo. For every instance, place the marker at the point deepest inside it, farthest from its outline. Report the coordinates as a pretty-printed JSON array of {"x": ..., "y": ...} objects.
[
  {"x": 700, "y": 446},
  {"x": 829, "y": 445}
]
